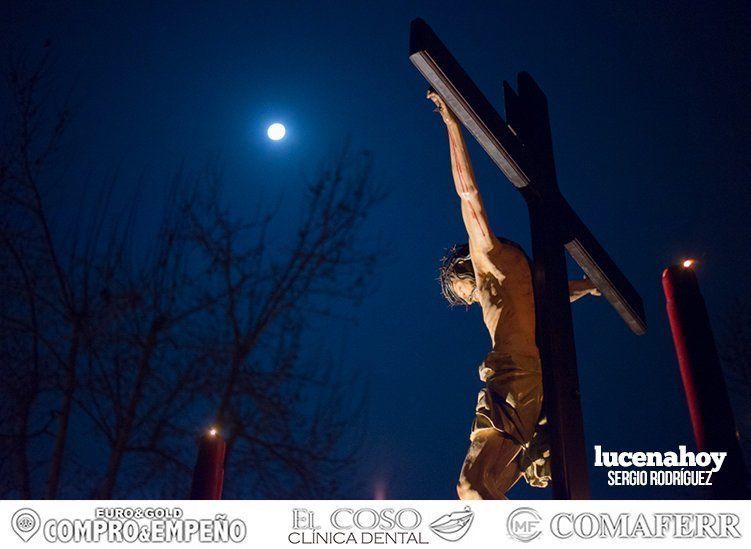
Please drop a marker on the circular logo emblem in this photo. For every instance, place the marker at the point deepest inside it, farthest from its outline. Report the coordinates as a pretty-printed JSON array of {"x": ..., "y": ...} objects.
[
  {"x": 25, "y": 523},
  {"x": 523, "y": 524}
]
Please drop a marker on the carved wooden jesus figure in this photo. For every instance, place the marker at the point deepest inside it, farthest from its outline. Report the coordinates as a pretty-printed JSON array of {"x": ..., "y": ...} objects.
[{"x": 496, "y": 273}]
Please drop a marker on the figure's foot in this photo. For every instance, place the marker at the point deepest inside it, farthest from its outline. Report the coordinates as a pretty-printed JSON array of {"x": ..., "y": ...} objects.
[
  {"x": 466, "y": 493},
  {"x": 489, "y": 469},
  {"x": 590, "y": 287}
]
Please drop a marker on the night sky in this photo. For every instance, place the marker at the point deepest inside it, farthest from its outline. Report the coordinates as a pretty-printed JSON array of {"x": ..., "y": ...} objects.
[{"x": 650, "y": 113}]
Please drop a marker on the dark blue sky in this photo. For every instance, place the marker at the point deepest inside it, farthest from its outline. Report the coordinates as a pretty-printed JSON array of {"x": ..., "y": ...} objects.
[{"x": 650, "y": 115}]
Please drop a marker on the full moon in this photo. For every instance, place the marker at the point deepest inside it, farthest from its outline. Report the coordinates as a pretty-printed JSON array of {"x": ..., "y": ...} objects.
[{"x": 276, "y": 131}]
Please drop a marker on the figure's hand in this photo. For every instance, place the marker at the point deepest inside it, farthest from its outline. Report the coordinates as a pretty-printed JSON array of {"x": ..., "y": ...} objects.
[{"x": 441, "y": 107}]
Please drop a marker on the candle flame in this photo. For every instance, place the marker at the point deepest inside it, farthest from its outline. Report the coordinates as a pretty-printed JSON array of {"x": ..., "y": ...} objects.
[{"x": 688, "y": 263}]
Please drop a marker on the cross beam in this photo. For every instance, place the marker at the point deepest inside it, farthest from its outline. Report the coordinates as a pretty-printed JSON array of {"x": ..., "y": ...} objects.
[
  {"x": 522, "y": 149},
  {"x": 500, "y": 140}
]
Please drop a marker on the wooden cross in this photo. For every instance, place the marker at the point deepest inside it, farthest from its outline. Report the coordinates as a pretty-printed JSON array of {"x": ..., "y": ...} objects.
[{"x": 522, "y": 148}]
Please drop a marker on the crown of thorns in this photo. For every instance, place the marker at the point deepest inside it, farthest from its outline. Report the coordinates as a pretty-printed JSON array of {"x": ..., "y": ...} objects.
[{"x": 457, "y": 263}]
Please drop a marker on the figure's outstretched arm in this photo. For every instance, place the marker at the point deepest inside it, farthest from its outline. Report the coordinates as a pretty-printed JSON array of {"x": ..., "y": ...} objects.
[
  {"x": 579, "y": 288},
  {"x": 481, "y": 238}
]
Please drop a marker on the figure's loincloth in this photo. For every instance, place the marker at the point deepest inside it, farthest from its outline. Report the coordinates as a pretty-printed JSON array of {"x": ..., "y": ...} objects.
[{"x": 512, "y": 397}]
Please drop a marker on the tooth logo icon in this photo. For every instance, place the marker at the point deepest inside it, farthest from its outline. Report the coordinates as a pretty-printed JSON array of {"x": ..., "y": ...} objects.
[
  {"x": 25, "y": 523},
  {"x": 453, "y": 526}
]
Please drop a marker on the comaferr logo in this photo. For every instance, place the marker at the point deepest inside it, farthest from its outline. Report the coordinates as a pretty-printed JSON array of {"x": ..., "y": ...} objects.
[
  {"x": 657, "y": 525},
  {"x": 524, "y": 524}
]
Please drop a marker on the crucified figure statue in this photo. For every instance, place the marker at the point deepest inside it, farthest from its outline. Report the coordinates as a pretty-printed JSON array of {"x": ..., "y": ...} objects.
[{"x": 496, "y": 273}]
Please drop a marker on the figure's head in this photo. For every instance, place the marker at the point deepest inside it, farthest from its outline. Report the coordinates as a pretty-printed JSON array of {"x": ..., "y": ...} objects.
[{"x": 457, "y": 276}]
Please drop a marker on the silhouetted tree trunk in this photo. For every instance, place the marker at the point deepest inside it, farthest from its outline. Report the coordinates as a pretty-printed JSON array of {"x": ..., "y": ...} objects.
[
  {"x": 142, "y": 342},
  {"x": 270, "y": 292},
  {"x": 35, "y": 141}
]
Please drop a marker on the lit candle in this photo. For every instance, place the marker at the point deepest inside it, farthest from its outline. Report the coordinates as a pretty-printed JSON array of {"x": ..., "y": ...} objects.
[
  {"x": 208, "y": 474},
  {"x": 703, "y": 381}
]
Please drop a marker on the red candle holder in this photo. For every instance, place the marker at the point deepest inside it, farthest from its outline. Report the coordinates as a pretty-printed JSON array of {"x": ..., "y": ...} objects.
[
  {"x": 703, "y": 382},
  {"x": 208, "y": 474}
]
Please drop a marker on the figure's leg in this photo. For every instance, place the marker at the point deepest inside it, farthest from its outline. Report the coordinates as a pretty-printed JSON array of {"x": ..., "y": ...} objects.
[
  {"x": 490, "y": 468},
  {"x": 506, "y": 416}
]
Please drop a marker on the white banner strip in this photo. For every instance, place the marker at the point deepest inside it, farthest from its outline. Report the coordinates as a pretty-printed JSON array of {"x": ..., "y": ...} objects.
[{"x": 289, "y": 524}]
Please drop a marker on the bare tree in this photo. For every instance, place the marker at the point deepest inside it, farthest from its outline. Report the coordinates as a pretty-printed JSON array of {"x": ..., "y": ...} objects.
[
  {"x": 275, "y": 406},
  {"x": 33, "y": 136},
  {"x": 142, "y": 346},
  {"x": 138, "y": 376}
]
